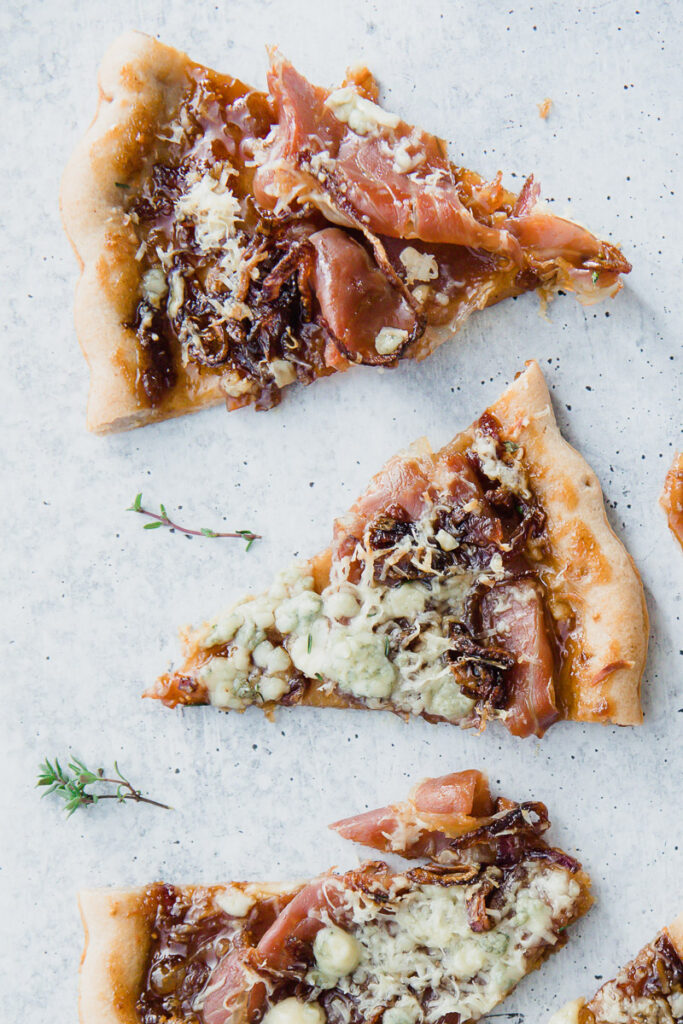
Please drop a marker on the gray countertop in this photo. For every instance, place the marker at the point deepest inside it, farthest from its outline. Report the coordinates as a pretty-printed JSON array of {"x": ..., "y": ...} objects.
[{"x": 91, "y": 601}]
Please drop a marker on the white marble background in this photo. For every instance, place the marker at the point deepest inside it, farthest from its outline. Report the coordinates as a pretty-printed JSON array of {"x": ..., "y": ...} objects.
[{"x": 91, "y": 600}]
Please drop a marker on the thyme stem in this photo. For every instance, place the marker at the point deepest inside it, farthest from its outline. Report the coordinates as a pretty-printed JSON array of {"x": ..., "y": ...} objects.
[{"x": 162, "y": 518}]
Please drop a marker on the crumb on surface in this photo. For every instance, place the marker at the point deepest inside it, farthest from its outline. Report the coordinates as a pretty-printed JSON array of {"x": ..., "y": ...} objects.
[{"x": 544, "y": 108}]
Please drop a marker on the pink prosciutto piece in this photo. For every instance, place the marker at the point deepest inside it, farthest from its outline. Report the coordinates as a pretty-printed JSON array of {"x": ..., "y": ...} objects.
[
  {"x": 412, "y": 481},
  {"x": 450, "y": 805},
  {"x": 394, "y": 180},
  {"x": 364, "y": 185},
  {"x": 356, "y": 300},
  {"x": 512, "y": 613}
]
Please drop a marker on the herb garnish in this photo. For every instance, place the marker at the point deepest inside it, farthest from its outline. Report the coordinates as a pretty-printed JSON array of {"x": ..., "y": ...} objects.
[
  {"x": 310, "y": 642},
  {"x": 162, "y": 519},
  {"x": 120, "y": 184},
  {"x": 386, "y": 646},
  {"x": 71, "y": 784},
  {"x": 594, "y": 276},
  {"x": 510, "y": 446}
]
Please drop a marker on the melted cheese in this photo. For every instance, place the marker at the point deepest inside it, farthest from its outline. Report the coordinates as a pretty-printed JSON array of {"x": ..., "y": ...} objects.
[
  {"x": 361, "y": 115},
  {"x": 353, "y": 637},
  {"x": 422, "y": 944},
  {"x": 154, "y": 287},
  {"x": 510, "y": 475},
  {"x": 212, "y": 208},
  {"x": 234, "y": 902},
  {"x": 336, "y": 952},
  {"x": 295, "y": 1011}
]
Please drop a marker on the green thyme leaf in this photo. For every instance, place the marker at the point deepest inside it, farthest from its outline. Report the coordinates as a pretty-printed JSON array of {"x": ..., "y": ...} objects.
[
  {"x": 152, "y": 526},
  {"x": 121, "y": 184},
  {"x": 510, "y": 446},
  {"x": 594, "y": 276}
]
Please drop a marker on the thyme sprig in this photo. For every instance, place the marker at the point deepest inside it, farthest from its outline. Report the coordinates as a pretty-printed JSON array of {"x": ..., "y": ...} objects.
[
  {"x": 70, "y": 785},
  {"x": 163, "y": 519}
]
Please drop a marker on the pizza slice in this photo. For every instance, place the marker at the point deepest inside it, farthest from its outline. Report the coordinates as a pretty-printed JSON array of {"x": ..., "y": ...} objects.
[
  {"x": 441, "y": 942},
  {"x": 649, "y": 990},
  {"x": 478, "y": 582},
  {"x": 234, "y": 241}
]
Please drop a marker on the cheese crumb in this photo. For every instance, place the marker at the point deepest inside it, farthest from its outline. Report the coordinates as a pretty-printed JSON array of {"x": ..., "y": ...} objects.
[
  {"x": 419, "y": 266},
  {"x": 295, "y": 1011},
  {"x": 361, "y": 115},
  {"x": 389, "y": 339},
  {"x": 336, "y": 952}
]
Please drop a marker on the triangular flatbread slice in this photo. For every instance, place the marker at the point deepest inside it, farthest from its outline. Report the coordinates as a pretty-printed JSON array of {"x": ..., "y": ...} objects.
[
  {"x": 478, "y": 582},
  {"x": 235, "y": 241},
  {"x": 648, "y": 990},
  {"x": 444, "y": 941}
]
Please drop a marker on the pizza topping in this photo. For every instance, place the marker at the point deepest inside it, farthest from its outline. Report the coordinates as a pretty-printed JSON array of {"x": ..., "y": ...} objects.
[
  {"x": 361, "y": 944},
  {"x": 649, "y": 989},
  {"x": 449, "y": 819},
  {"x": 295, "y": 1011}
]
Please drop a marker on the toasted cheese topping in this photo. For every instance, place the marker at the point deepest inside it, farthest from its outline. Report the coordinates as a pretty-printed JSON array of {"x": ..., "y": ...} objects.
[
  {"x": 389, "y": 339},
  {"x": 422, "y": 947},
  {"x": 370, "y": 638},
  {"x": 361, "y": 115},
  {"x": 336, "y": 952},
  {"x": 510, "y": 475},
  {"x": 295, "y": 1011},
  {"x": 212, "y": 208}
]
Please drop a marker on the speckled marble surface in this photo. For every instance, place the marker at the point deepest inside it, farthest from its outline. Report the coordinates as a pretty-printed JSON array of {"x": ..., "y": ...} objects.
[{"x": 91, "y": 601}]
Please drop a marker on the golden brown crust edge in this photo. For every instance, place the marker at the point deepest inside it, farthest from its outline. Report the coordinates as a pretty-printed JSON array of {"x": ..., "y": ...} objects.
[
  {"x": 597, "y": 574},
  {"x": 675, "y": 933},
  {"x": 140, "y": 82},
  {"x": 117, "y": 925}
]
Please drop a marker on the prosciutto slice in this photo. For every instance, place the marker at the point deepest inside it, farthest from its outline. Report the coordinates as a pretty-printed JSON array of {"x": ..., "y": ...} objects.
[
  {"x": 368, "y": 169},
  {"x": 357, "y": 174},
  {"x": 444, "y": 816},
  {"x": 513, "y": 615},
  {"x": 356, "y": 300}
]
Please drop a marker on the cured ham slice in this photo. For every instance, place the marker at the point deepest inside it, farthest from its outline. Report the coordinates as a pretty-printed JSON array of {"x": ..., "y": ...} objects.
[
  {"x": 368, "y": 169},
  {"x": 444, "y": 817},
  {"x": 466, "y": 585}
]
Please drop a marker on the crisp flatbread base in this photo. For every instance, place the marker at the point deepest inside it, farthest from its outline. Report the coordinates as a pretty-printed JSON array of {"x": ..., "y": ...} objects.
[
  {"x": 140, "y": 85},
  {"x": 595, "y": 573}
]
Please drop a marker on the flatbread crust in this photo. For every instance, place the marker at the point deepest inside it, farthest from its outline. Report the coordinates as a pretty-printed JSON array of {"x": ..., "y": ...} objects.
[
  {"x": 596, "y": 573},
  {"x": 675, "y": 933},
  {"x": 118, "y": 933},
  {"x": 140, "y": 84}
]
